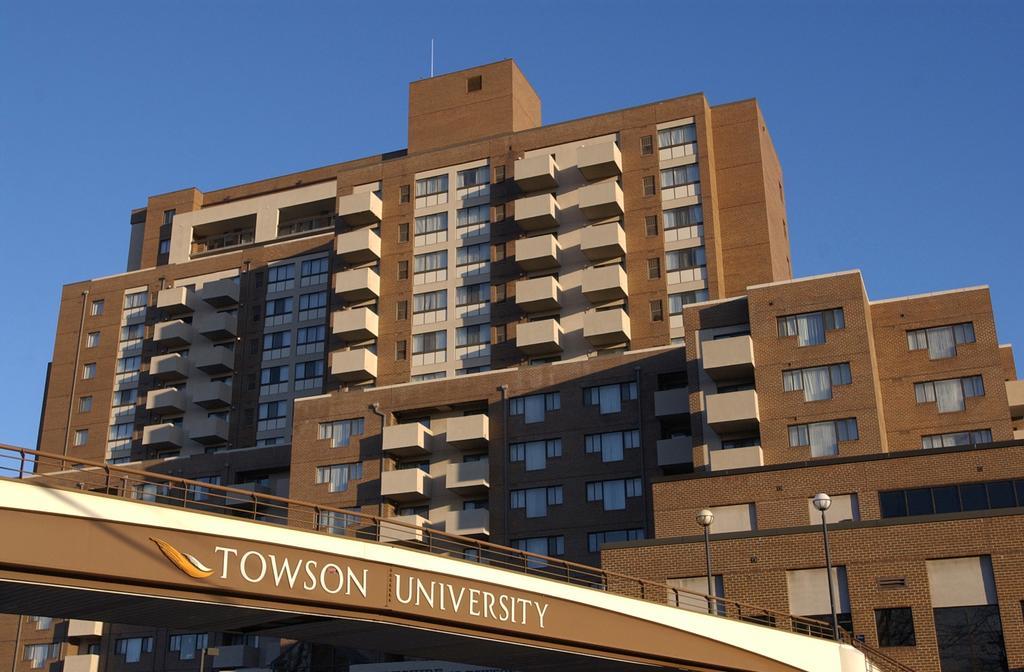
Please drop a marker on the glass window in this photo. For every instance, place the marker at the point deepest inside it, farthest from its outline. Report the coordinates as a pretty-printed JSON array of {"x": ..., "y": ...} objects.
[
  {"x": 680, "y": 135},
  {"x": 677, "y": 218},
  {"x": 473, "y": 177},
  {"x": 678, "y": 260},
  {"x": 89, "y": 371},
  {"x": 534, "y": 406},
  {"x": 92, "y": 340},
  {"x": 81, "y": 437},
  {"x": 919, "y": 502},
  {"x": 946, "y": 498},
  {"x": 135, "y": 300},
  {"x": 810, "y": 328},
  {"x": 432, "y": 341},
  {"x": 468, "y": 295},
  {"x": 895, "y": 627},
  {"x": 1000, "y": 495},
  {"x": 677, "y": 301},
  {"x": 970, "y": 639},
  {"x": 432, "y": 261},
  {"x": 340, "y": 431},
  {"x": 680, "y": 176},
  {"x": 337, "y": 476},
  {"x": 893, "y": 504},
  {"x": 432, "y": 185},
  {"x": 97, "y": 308},
  {"x": 431, "y": 223},
  {"x": 85, "y": 404},
  {"x": 430, "y": 301}
]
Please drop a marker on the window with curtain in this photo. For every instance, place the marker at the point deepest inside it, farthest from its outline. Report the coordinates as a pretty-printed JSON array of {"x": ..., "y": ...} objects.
[
  {"x": 536, "y": 500},
  {"x": 941, "y": 342},
  {"x": 677, "y": 218},
  {"x": 949, "y": 394},
  {"x": 810, "y": 328},
  {"x": 679, "y": 260},
  {"x": 430, "y": 301},
  {"x": 479, "y": 214},
  {"x": 433, "y": 341},
  {"x": 613, "y": 493},
  {"x": 431, "y": 261},
  {"x": 468, "y": 295},
  {"x": 823, "y": 437},
  {"x": 472, "y": 254},
  {"x": 432, "y": 185},
  {"x": 132, "y": 648},
  {"x": 472, "y": 177},
  {"x": 535, "y": 453},
  {"x": 337, "y": 476},
  {"x": 432, "y": 223},
  {"x": 596, "y": 539},
  {"x": 957, "y": 439},
  {"x": 677, "y": 301},
  {"x": 816, "y": 382},
  {"x": 477, "y": 334},
  {"x": 609, "y": 398},
  {"x": 680, "y": 176},
  {"x": 534, "y": 406},
  {"x": 612, "y": 444},
  {"x": 679, "y": 135}
]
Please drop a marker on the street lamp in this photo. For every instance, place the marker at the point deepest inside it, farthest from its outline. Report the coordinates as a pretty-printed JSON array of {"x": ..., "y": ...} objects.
[
  {"x": 822, "y": 502},
  {"x": 704, "y": 518}
]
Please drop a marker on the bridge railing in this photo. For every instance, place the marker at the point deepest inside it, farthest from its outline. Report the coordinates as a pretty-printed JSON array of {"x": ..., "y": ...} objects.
[{"x": 251, "y": 501}]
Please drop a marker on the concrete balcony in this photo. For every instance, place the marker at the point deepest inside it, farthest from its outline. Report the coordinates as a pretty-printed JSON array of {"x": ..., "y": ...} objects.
[
  {"x": 356, "y": 324},
  {"x": 535, "y": 213},
  {"x": 1015, "y": 397},
  {"x": 538, "y": 294},
  {"x": 164, "y": 435},
  {"x": 173, "y": 334},
  {"x": 599, "y": 161},
  {"x": 409, "y": 440},
  {"x": 729, "y": 412},
  {"x": 208, "y": 431},
  {"x": 168, "y": 367},
  {"x": 605, "y": 283},
  {"x": 221, "y": 293},
  {"x": 236, "y": 656},
  {"x": 217, "y": 326},
  {"x": 675, "y": 451},
  {"x": 468, "y": 432},
  {"x": 358, "y": 284},
  {"x": 735, "y": 458},
  {"x": 176, "y": 301},
  {"x": 469, "y": 478},
  {"x": 671, "y": 402},
  {"x": 166, "y": 401},
  {"x": 535, "y": 173},
  {"x": 539, "y": 253},
  {"x": 354, "y": 366},
  {"x": 211, "y": 395},
  {"x": 543, "y": 337},
  {"x": 79, "y": 628},
  {"x": 728, "y": 358},
  {"x": 468, "y": 523},
  {"x": 601, "y": 200},
  {"x": 606, "y": 327},
  {"x": 362, "y": 209},
  {"x": 82, "y": 662},
  {"x": 398, "y": 530},
  {"x": 602, "y": 242},
  {"x": 215, "y": 361},
  {"x": 361, "y": 246},
  {"x": 405, "y": 485}
]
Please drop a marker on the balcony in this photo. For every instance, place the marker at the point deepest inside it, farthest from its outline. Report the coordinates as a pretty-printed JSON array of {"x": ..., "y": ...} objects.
[
  {"x": 606, "y": 327},
  {"x": 599, "y": 161},
  {"x": 358, "y": 284},
  {"x": 535, "y": 213},
  {"x": 535, "y": 173},
  {"x": 236, "y": 656},
  {"x": 208, "y": 431},
  {"x": 538, "y": 294},
  {"x": 356, "y": 324},
  {"x": 729, "y": 412},
  {"x": 671, "y": 402},
  {"x": 79, "y": 628},
  {"x": 167, "y": 401},
  {"x": 361, "y": 246},
  {"x": 605, "y": 283},
  {"x": 728, "y": 358},
  {"x": 176, "y": 301},
  {"x": 246, "y": 502},
  {"x": 405, "y": 485},
  {"x": 601, "y": 200},
  {"x": 602, "y": 242},
  {"x": 469, "y": 478},
  {"x": 163, "y": 435},
  {"x": 362, "y": 209},
  {"x": 468, "y": 523},
  {"x": 735, "y": 458},
  {"x": 82, "y": 662},
  {"x": 408, "y": 440},
  {"x": 217, "y": 326},
  {"x": 215, "y": 361},
  {"x": 675, "y": 451},
  {"x": 168, "y": 367},
  {"x": 1015, "y": 397},
  {"x": 468, "y": 432},
  {"x": 173, "y": 334},
  {"x": 398, "y": 530},
  {"x": 221, "y": 293},
  {"x": 543, "y": 337},
  {"x": 538, "y": 253},
  {"x": 211, "y": 395},
  {"x": 354, "y": 366}
]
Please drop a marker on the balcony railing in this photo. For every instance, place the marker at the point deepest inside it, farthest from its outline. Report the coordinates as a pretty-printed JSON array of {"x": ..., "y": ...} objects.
[{"x": 223, "y": 241}]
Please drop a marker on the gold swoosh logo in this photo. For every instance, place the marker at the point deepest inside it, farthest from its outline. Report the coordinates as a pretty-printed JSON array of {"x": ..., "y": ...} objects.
[{"x": 183, "y": 561}]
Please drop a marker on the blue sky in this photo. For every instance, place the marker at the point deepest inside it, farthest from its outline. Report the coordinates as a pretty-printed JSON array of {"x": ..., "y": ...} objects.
[{"x": 897, "y": 123}]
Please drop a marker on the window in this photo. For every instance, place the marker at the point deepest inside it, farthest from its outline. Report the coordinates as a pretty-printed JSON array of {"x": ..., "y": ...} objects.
[
  {"x": 277, "y": 340},
  {"x": 403, "y": 196},
  {"x": 473, "y": 254},
  {"x": 982, "y": 496},
  {"x": 310, "y": 339},
  {"x": 432, "y": 261},
  {"x": 309, "y": 374},
  {"x": 187, "y": 645},
  {"x": 401, "y": 350},
  {"x": 122, "y": 430},
  {"x": 612, "y": 444},
  {"x": 646, "y": 145},
  {"x": 535, "y": 454},
  {"x": 477, "y": 334},
  {"x": 403, "y": 232},
  {"x": 314, "y": 272},
  {"x": 403, "y": 269},
  {"x": 949, "y": 395},
  {"x": 432, "y": 185},
  {"x": 402, "y": 310},
  {"x": 680, "y": 260},
  {"x": 129, "y": 364},
  {"x": 280, "y": 278},
  {"x": 657, "y": 314},
  {"x": 89, "y": 371},
  {"x": 597, "y": 539},
  {"x": 680, "y": 176},
  {"x": 432, "y": 228},
  {"x": 92, "y": 339},
  {"x": 84, "y": 404},
  {"x": 274, "y": 375},
  {"x": 469, "y": 295},
  {"x": 473, "y": 177},
  {"x": 649, "y": 189},
  {"x": 499, "y": 212},
  {"x": 474, "y": 83},
  {"x": 816, "y": 382},
  {"x": 432, "y": 341},
  {"x": 97, "y": 308},
  {"x": 534, "y": 406},
  {"x": 499, "y": 174},
  {"x": 551, "y": 546},
  {"x": 430, "y": 301},
  {"x": 133, "y": 332},
  {"x": 42, "y": 622},
  {"x": 653, "y": 268},
  {"x": 895, "y": 627},
  {"x": 279, "y": 307},
  {"x": 969, "y": 438},
  {"x": 823, "y": 437},
  {"x": 38, "y": 654},
  {"x": 609, "y": 398},
  {"x": 614, "y": 492},
  {"x": 473, "y": 221},
  {"x": 135, "y": 300},
  {"x": 680, "y": 135},
  {"x": 677, "y": 218},
  {"x": 810, "y": 328},
  {"x": 941, "y": 342},
  {"x": 340, "y": 431},
  {"x": 199, "y": 493},
  {"x": 125, "y": 397},
  {"x": 168, "y": 217},
  {"x": 677, "y": 301},
  {"x": 536, "y": 500},
  {"x": 165, "y": 246},
  {"x": 312, "y": 306},
  {"x": 132, "y": 648},
  {"x": 272, "y": 415},
  {"x": 81, "y": 437},
  {"x": 651, "y": 225},
  {"x": 337, "y": 476}
]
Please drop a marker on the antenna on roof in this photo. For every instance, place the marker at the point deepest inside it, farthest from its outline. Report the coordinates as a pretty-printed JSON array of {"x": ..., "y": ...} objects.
[{"x": 431, "y": 57}]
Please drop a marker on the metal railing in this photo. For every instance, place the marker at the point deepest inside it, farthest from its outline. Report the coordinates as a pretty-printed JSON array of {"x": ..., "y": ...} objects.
[{"x": 49, "y": 470}]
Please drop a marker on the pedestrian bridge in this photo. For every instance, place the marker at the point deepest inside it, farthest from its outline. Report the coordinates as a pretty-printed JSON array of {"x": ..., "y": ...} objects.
[{"x": 104, "y": 543}]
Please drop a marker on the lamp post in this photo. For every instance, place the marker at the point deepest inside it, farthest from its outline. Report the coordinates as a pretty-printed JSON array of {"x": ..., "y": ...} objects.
[
  {"x": 822, "y": 502},
  {"x": 704, "y": 518}
]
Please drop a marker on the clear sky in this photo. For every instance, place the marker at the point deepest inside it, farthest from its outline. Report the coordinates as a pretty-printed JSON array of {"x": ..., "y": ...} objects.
[{"x": 898, "y": 124}]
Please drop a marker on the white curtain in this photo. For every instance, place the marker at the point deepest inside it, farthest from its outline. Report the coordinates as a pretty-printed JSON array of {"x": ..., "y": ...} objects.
[
  {"x": 940, "y": 343},
  {"x": 611, "y": 399},
  {"x": 614, "y": 495},
  {"x": 823, "y": 439},
  {"x": 536, "y": 455},
  {"x": 817, "y": 384},
  {"x": 534, "y": 408},
  {"x": 611, "y": 447},
  {"x": 133, "y": 650},
  {"x": 950, "y": 395},
  {"x": 536, "y": 502},
  {"x": 810, "y": 329}
]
